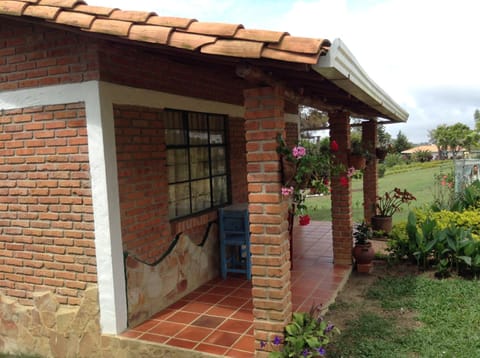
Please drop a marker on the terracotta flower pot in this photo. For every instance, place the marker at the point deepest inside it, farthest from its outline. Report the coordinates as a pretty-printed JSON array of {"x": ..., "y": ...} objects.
[
  {"x": 382, "y": 223},
  {"x": 363, "y": 254}
]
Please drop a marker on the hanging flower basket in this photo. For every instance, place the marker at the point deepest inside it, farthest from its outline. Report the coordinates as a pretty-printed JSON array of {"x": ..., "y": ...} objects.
[
  {"x": 357, "y": 161},
  {"x": 381, "y": 153}
]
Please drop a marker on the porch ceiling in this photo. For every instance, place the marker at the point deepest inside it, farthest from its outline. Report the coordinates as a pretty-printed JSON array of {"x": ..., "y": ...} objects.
[{"x": 327, "y": 80}]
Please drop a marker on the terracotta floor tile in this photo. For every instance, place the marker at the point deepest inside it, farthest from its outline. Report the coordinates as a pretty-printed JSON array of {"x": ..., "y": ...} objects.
[
  {"x": 233, "y": 301},
  {"x": 245, "y": 343},
  {"x": 221, "y": 311},
  {"x": 242, "y": 292},
  {"x": 154, "y": 338},
  {"x": 238, "y": 354},
  {"x": 162, "y": 315},
  {"x": 220, "y": 338},
  {"x": 182, "y": 317},
  {"x": 197, "y": 307},
  {"x": 182, "y": 343},
  {"x": 145, "y": 326},
  {"x": 235, "y": 326},
  {"x": 194, "y": 333},
  {"x": 246, "y": 315},
  {"x": 168, "y": 329},
  {"x": 208, "y": 321},
  {"x": 210, "y": 348},
  {"x": 210, "y": 298}
]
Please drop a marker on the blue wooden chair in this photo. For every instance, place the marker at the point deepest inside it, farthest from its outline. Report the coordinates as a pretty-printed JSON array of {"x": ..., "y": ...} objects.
[{"x": 234, "y": 232}]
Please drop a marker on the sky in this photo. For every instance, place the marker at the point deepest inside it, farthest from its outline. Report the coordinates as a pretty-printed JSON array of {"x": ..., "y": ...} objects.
[{"x": 424, "y": 53}]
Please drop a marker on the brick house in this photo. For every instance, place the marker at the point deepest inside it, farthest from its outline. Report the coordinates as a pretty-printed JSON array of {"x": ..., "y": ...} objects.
[{"x": 116, "y": 126}]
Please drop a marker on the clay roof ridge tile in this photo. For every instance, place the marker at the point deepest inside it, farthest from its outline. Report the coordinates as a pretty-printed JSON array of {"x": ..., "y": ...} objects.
[
  {"x": 67, "y": 4},
  {"x": 43, "y": 12},
  {"x": 220, "y": 29},
  {"x": 130, "y": 15},
  {"x": 171, "y": 21}
]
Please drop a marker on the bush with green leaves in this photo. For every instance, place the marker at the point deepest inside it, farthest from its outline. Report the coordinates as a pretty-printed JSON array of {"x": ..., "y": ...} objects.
[
  {"x": 306, "y": 336},
  {"x": 447, "y": 247},
  {"x": 467, "y": 219}
]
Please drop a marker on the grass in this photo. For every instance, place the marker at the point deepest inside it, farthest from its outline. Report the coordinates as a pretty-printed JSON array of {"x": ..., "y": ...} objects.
[
  {"x": 443, "y": 320},
  {"x": 418, "y": 181}
]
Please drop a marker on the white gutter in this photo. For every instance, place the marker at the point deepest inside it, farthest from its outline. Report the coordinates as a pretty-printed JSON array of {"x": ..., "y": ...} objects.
[{"x": 340, "y": 67}]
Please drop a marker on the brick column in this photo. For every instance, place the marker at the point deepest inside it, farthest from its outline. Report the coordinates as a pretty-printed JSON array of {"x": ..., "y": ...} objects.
[
  {"x": 272, "y": 307},
  {"x": 370, "y": 174},
  {"x": 342, "y": 222}
]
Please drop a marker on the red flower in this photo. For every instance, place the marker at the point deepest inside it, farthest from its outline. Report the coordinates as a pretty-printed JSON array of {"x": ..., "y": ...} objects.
[
  {"x": 343, "y": 181},
  {"x": 334, "y": 146},
  {"x": 325, "y": 181},
  {"x": 304, "y": 220}
]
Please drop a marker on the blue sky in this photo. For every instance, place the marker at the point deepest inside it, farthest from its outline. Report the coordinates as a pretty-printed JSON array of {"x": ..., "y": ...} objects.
[{"x": 423, "y": 53}]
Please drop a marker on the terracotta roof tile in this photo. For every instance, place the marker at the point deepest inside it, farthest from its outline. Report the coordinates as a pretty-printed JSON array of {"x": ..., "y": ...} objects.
[
  {"x": 290, "y": 56},
  {"x": 111, "y": 27},
  {"x": 148, "y": 33},
  {"x": 68, "y": 4},
  {"x": 214, "y": 28},
  {"x": 95, "y": 10},
  {"x": 299, "y": 44},
  {"x": 76, "y": 19},
  {"x": 14, "y": 8},
  {"x": 178, "y": 22},
  {"x": 188, "y": 41},
  {"x": 260, "y": 35},
  {"x": 44, "y": 12},
  {"x": 189, "y": 34},
  {"x": 235, "y": 48},
  {"x": 134, "y": 16}
]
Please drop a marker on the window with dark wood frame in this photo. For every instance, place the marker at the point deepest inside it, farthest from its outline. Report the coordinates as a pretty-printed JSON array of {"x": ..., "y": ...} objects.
[{"x": 196, "y": 162}]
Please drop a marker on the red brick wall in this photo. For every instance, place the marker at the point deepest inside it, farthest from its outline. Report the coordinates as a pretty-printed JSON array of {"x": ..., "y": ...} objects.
[
  {"x": 33, "y": 56},
  {"x": 238, "y": 161},
  {"x": 142, "y": 68},
  {"x": 143, "y": 182},
  {"x": 46, "y": 216}
]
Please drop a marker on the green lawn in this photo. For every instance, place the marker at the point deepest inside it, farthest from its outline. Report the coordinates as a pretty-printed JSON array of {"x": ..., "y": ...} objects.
[
  {"x": 418, "y": 180},
  {"x": 411, "y": 316}
]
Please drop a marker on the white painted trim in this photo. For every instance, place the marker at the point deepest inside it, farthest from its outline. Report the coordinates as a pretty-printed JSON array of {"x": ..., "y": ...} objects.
[
  {"x": 99, "y": 98},
  {"x": 341, "y": 67}
]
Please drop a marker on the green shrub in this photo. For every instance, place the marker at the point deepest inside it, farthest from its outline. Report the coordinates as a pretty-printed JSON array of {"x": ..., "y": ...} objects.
[{"x": 468, "y": 219}]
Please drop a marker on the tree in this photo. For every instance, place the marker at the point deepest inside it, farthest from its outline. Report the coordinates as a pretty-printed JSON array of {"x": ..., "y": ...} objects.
[
  {"x": 476, "y": 117},
  {"x": 401, "y": 143},
  {"x": 384, "y": 138},
  {"x": 453, "y": 138}
]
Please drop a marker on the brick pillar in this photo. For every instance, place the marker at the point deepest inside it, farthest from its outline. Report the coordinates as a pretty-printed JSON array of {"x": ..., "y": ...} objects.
[
  {"x": 370, "y": 174},
  {"x": 272, "y": 304},
  {"x": 341, "y": 196}
]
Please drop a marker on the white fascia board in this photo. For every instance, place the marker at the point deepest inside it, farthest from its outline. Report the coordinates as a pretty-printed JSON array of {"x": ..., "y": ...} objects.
[{"x": 340, "y": 67}]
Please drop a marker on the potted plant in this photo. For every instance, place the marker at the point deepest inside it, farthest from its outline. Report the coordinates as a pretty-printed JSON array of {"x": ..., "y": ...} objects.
[
  {"x": 363, "y": 251},
  {"x": 358, "y": 155},
  {"x": 387, "y": 205},
  {"x": 381, "y": 153}
]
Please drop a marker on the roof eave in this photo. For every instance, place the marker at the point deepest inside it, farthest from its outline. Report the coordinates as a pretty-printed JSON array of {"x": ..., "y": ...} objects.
[{"x": 340, "y": 67}]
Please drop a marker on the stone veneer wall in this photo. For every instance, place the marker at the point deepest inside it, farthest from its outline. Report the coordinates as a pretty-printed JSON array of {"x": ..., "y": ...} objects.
[
  {"x": 153, "y": 288},
  {"x": 49, "y": 329}
]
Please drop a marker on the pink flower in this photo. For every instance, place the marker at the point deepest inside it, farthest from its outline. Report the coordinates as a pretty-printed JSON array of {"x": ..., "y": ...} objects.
[
  {"x": 304, "y": 220},
  {"x": 351, "y": 172},
  {"x": 344, "y": 181},
  {"x": 333, "y": 146},
  {"x": 299, "y": 152},
  {"x": 443, "y": 183},
  {"x": 287, "y": 191}
]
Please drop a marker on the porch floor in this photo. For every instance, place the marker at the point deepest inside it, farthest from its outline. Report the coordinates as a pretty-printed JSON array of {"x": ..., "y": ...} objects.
[{"x": 217, "y": 318}]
